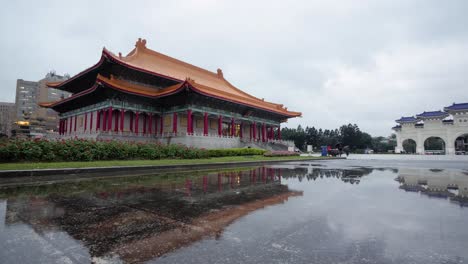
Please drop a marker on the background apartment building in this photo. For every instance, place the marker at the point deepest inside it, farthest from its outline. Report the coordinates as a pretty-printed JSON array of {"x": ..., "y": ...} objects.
[
  {"x": 40, "y": 121},
  {"x": 7, "y": 117}
]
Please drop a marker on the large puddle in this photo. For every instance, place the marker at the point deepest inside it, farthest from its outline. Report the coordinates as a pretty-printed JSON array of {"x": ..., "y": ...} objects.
[{"x": 300, "y": 212}]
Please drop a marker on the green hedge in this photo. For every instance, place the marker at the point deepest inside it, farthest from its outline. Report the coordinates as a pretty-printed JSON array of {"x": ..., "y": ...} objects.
[
  {"x": 235, "y": 152},
  {"x": 87, "y": 150},
  {"x": 19, "y": 150},
  {"x": 280, "y": 154}
]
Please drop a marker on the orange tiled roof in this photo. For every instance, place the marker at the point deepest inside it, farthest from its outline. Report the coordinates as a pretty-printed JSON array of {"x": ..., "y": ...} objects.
[
  {"x": 136, "y": 88},
  {"x": 213, "y": 83},
  {"x": 204, "y": 81}
]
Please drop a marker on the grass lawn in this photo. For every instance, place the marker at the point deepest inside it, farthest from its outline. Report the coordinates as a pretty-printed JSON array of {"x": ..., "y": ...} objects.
[{"x": 110, "y": 163}]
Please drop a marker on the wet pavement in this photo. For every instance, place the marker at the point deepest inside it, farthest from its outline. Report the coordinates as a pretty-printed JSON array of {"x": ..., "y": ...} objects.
[{"x": 342, "y": 211}]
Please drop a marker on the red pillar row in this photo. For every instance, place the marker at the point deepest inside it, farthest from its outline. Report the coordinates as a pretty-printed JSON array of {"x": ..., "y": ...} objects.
[
  {"x": 263, "y": 132},
  {"x": 220, "y": 126},
  {"x": 85, "y": 121},
  {"x": 60, "y": 127},
  {"x": 104, "y": 120},
  {"x": 116, "y": 122},
  {"x": 174, "y": 123},
  {"x": 156, "y": 120},
  {"x": 161, "y": 128},
  {"x": 150, "y": 127}
]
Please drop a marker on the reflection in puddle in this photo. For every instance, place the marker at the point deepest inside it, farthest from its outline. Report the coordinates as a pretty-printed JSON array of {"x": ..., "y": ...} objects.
[
  {"x": 351, "y": 214},
  {"x": 140, "y": 218},
  {"x": 436, "y": 183}
]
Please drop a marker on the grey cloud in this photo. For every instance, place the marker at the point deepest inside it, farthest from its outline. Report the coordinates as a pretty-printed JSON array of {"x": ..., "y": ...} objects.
[{"x": 364, "y": 62}]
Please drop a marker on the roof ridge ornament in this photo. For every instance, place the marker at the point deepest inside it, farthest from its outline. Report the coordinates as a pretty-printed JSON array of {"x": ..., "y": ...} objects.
[
  {"x": 141, "y": 43},
  {"x": 220, "y": 73}
]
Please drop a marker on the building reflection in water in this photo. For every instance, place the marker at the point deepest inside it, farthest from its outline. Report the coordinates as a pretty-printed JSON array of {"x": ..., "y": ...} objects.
[
  {"x": 135, "y": 219},
  {"x": 311, "y": 173},
  {"x": 445, "y": 184}
]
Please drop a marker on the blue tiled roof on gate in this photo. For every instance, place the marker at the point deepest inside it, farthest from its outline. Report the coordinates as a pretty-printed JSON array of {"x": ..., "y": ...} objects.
[
  {"x": 432, "y": 114},
  {"x": 404, "y": 119},
  {"x": 454, "y": 106}
]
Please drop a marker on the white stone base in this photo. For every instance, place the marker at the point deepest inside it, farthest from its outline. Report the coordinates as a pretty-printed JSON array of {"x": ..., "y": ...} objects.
[{"x": 195, "y": 140}]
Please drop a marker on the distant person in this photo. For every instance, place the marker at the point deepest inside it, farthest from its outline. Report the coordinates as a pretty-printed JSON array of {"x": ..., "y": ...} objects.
[
  {"x": 340, "y": 149},
  {"x": 346, "y": 150},
  {"x": 329, "y": 150}
]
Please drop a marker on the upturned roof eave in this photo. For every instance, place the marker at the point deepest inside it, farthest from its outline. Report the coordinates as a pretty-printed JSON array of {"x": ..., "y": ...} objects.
[{"x": 172, "y": 90}]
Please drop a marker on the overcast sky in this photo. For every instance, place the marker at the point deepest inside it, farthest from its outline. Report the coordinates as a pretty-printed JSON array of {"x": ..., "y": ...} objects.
[{"x": 363, "y": 62}]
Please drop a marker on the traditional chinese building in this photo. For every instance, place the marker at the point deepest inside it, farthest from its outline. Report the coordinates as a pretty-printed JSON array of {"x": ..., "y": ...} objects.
[
  {"x": 450, "y": 127},
  {"x": 148, "y": 96}
]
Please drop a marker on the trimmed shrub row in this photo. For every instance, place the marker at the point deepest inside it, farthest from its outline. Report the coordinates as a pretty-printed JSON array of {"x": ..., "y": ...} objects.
[
  {"x": 87, "y": 150},
  {"x": 280, "y": 154},
  {"x": 17, "y": 150},
  {"x": 235, "y": 152}
]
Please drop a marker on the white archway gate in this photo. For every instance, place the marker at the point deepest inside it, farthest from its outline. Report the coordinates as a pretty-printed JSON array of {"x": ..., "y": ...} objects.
[{"x": 433, "y": 124}]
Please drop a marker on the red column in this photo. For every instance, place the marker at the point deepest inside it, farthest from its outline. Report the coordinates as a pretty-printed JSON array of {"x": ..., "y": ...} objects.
[
  {"x": 116, "y": 121},
  {"x": 131, "y": 121},
  {"x": 60, "y": 127},
  {"x": 136, "y": 122},
  {"x": 76, "y": 117},
  {"x": 91, "y": 122},
  {"x": 65, "y": 126},
  {"x": 122, "y": 119},
  {"x": 250, "y": 132},
  {"x": 155, "y": 124},
  {"x": 233, "y": 128},
  {"x": 205, "y": 124},
  {"x": 98, "y": 119},
  {"x": 174, "y": 123},
  {"x": 220, "y": 126},
  {"x": 150, "y": 124},
  {"x": 104, "y": 120},
  {"x": 85, "y": 121},
  {"x": 254, "y": 131},
  {"x": 189, "y": 122},
  {"x": 109, "y": 119},
  {"x": 279, "y": 132},
  {"x": 144, "y": 123},
  {"x": 161, "y": 129},
  {"x": 263, "y": 132},
  {"x": 241, "y": 133}
]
